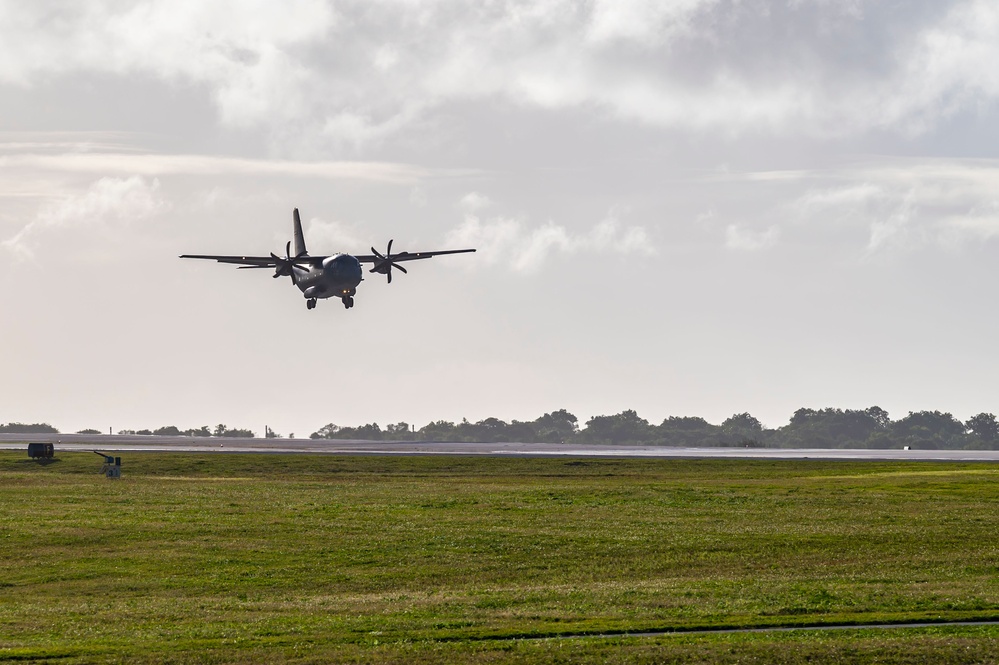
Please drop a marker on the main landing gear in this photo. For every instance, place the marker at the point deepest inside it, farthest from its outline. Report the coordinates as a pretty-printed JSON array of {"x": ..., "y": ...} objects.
[
  {"x": 348, "y": 302},
  {"x": 310, "y": 303}
]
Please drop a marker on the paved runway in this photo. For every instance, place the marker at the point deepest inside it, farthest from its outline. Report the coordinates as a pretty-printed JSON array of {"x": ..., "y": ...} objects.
[{"x": 134, "y": 443}]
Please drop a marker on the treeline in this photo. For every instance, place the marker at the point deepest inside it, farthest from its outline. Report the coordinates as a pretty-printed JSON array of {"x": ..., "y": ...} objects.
[
  {"x": 171, "y": 430},
  {"x": 22, "y": 428},
  {"x": 808, "y": 428}
]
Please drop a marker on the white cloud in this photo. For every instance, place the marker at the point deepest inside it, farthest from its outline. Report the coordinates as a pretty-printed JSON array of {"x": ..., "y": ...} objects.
[
  {"x": 327, "y": 237},
  {"x": 163, "y": 164},
  {"x": 525, "y": 248},
  {"x": 893, "y": 230},
  {"x": 643, "y": 22},
  {"x": 247, "y": 51},
  {"x": 418, "y": 196},
  {"x": 494, "y": 240},
  {"x": 738, "y": 237},
  {"x": 474, "y": 202},
  {"x": 849, "y": 197},
  {"x": 825, "y": 68},
  {"x": 883, "y": 203},
  {"x": 108, "y": 203},
  {"x": 981, "y": 222}
]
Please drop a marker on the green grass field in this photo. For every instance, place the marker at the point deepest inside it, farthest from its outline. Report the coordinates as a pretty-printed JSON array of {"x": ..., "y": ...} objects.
[{"x": 287, "y": 558}]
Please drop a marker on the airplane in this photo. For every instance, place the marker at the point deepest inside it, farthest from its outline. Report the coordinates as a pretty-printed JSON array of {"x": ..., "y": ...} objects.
[{"x": 333, "y": 276}]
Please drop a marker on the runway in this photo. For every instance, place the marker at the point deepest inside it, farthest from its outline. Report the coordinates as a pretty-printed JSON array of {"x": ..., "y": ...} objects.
[{"x": 137, "y": 443}]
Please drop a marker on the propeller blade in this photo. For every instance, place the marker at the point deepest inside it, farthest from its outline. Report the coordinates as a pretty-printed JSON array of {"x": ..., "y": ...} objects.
[
  {"x": 389, "y": 250},
  {"x": 399, "y": 267},
  {"x": 389, "y": 273}
]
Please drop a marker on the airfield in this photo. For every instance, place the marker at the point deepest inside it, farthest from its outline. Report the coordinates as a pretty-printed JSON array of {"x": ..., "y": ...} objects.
[
  {"x": 292, "y": 550},
  {"x": 136, "y": 443}
]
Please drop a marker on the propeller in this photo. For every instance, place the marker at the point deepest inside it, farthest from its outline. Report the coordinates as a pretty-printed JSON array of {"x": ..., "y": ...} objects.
[
  {"x": 286, "y": 265},
  {"x": 386, "y": 263}
]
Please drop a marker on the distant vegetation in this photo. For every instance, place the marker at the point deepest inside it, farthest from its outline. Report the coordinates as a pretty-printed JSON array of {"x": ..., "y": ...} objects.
[
  {"x": 172, "y": 430},
  {"x": 21, "y": 428},
  {"x": 808, "y": 428}
]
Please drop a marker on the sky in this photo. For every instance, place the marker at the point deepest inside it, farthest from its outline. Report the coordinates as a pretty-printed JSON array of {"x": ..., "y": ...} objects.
[{"x": 686, "y": 208}]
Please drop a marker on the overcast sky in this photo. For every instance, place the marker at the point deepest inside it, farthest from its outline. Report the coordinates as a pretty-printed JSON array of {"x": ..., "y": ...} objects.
[{"x": 688, "y": 207}]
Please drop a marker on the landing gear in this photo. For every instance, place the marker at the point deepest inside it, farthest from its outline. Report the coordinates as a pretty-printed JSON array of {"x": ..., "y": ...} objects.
[
  {"x": 310, "y": 303},
  {"x": 348, "y": 302}
]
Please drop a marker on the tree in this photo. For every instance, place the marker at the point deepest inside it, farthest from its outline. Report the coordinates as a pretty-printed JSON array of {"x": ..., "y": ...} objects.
[
  {"x": 880, "y": 416},
  {"x": 371, "y": 432},
  {"x": 930, "y": 422},
  {"x": 220, "y": 430},
  {"x": 400, "y": 431},
  {"x": 827, "y": 428},
  {"x": 687, "y": 431},
  {"x": 21, "y": 428},
  {"x": 521, "y": 431},
  {"x": 929, "y": 429},
  {"x": 489, "y": 430},
  {"x": 984, "y": 426},
  {"x": 169, "y": 430},
  {"x": 88, "y": 431},
  {"x": 556, "y": 427},
  {"x": 742, "y": 428},
  {"x": 270, "y": 434},
  {"x": 237, "y": 433},
  {"x": 625, "y": 427},
  {"x": 201, "y": 431},
  {"x": 437, "y": 430},
  {"x": 325, "y": 432}
]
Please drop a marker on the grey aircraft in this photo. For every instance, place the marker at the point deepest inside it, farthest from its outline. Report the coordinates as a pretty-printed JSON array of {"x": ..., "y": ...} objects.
[{"x": 333, "y": 276}]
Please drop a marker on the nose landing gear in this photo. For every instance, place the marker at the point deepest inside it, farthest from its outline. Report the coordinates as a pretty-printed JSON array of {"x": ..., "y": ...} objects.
[
  {"x": 310, "y": 303},
  {"x": 348, "y": 302}
]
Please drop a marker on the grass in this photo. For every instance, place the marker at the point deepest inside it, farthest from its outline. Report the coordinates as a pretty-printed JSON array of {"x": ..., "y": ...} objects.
[{"x": 288, "y": 558}]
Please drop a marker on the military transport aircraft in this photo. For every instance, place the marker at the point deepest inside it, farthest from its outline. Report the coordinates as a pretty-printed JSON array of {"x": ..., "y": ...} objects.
[{"x": 333, "y": 276}]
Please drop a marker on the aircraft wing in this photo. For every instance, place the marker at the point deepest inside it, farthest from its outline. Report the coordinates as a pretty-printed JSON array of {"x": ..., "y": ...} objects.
[
  {"x": 255, "y": 261},
  {"x": 409, "y": 256}
]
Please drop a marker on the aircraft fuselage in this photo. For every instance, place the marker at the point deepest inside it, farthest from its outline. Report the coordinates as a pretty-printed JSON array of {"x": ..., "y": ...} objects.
[{"x": 337, "y": 277}]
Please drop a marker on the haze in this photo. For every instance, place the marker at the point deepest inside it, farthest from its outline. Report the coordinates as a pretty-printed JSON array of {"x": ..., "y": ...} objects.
[{"x": 697, "y": 207}]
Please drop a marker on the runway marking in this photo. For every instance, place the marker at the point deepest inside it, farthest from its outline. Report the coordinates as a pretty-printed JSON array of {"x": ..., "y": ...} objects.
[
  {"x": 677, "y": 632},
  {"x": 895, "y": 474},
  {"x": 197, "y": 478}
]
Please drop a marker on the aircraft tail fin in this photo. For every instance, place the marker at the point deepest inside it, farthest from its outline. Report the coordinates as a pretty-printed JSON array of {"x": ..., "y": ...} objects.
[{"x": 299, "y": 236}]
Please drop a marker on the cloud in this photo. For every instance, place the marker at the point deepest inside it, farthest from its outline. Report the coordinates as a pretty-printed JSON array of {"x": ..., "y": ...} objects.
[
  {"x": 894, "y": 228},
  {"x": 418, "y": 197},
  {"x": 739, "y": 238},
  {"x": 162, "y": 164},
  {"x": 247, "y": 52},
  {"x": 108, "y": 203},
  {"x": 327, "y": 237},
  {"x": 526, "y": 249},
  {"x": 474, "y": 202},
  {"x": 352, "y": 73},
  {"x": 980, "y": 222}
]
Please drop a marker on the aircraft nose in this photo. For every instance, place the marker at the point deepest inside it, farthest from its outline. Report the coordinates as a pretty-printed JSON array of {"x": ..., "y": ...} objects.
[{"x": 345, "y": 267}]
